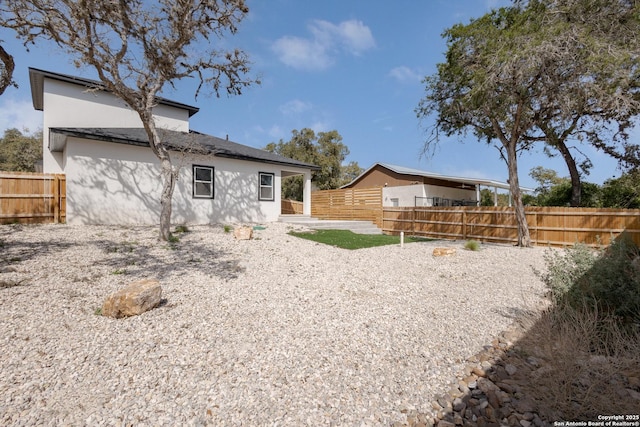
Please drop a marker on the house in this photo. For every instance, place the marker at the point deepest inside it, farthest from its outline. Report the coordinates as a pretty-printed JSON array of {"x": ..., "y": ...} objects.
[
  {"x": 113, "y": 177},
  {"x": 412, "y": 187}
]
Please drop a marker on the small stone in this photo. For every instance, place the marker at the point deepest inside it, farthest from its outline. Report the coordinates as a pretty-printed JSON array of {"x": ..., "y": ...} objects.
[
  {"x": 243, "y": 233},
  {"x": 525, "y": 423},
  {"x": 511, "y": 369},
  {"x": 457, "y": 420},
  {"x": 513, "y": 420},
  {"x": 533, "y": 361},
  {"x": 634, "y": 394},
  {"x": 493, "y": 399},
  {"x": 134, "y": 299},
  {"x": 479, "y": 371},
  {"x": 444, "y": 251},
  {"x": 459, "y": 405},
  {"x": 444, "y": 402},
  {"x": 524, "y": 405},
  {"x": 470, "y": 379},
  {"x": 444, "y": 423}
]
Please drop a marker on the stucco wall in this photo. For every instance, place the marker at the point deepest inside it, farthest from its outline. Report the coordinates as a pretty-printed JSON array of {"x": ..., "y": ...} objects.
[
  {"x": 110, "y": 183},
  {"x": 406, "y": 194},
  {"x": 70, "y": 105}
]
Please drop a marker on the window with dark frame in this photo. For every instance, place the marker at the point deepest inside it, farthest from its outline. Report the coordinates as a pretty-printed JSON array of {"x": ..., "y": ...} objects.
[
  {"x": 266, "y": 186},
  {"x": 203, "y": 182}
]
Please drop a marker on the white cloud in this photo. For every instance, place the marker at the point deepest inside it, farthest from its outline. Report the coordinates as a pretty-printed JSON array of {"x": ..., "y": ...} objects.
[
  {"x": 405, "y": 75},
  {"x": 352, "y": 35},
  {"x": 295, "y": 107},
  {"x": 301, "y": 53},
  {"x": 328, "y": 40},
  {"x": 19, "y": 114}
]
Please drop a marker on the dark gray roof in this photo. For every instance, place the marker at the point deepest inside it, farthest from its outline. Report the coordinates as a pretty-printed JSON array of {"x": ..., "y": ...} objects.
[
  {"x": 36, "y": 79},
  {"x": 192, "y": 141}
]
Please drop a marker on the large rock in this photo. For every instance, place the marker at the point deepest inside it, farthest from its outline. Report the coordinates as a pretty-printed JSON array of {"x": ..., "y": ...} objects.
[
  {"x": 243, "y": 233},
  {"x": 444, "y": 251},
  {"x": 134, "y": 299}
]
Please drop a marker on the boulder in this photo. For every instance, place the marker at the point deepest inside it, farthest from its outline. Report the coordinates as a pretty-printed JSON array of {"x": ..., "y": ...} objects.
[
  {"x": 134, "y": 299},
  {"x": 444, "y": 251},
  {"x": 243, "y": 233}
]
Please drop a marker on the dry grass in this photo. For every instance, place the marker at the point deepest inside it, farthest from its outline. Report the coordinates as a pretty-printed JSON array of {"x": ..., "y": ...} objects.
[{"x": 591, "y": 365}]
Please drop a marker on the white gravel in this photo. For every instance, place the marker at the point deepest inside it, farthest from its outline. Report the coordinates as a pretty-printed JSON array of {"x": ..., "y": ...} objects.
[{"x": 273, "y": 331}]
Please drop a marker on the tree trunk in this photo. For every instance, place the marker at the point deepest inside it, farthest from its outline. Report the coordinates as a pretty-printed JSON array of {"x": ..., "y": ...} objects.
[
  {"x": 524, "y": 239},
  {"x": 576, "y": 185},
  {"x": 168, "y": 186},
  {"x": 167, "y": 173}
]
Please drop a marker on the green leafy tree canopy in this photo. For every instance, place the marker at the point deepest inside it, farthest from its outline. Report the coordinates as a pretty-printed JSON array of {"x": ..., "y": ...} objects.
[
  {"x": 324, "y": 149},
  {"x": 20, "y": 152}
]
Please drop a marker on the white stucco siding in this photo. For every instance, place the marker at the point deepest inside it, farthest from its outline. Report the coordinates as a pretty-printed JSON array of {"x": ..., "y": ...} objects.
[
  {"x": 110, "y": 183},
  {"x": 406, "y": 194},
  {"x": 71, "y": 105}
]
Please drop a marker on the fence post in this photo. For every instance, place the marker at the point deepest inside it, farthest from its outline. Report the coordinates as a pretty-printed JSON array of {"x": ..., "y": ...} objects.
[
  {"x": 56, "y": 198},
  {"x": 413, "y": 220},
  {"x": 464, "y": 224}
]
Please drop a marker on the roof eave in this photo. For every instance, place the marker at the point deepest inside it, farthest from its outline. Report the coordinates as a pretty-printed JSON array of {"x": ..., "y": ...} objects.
[
  {"x": 273, "y": 162},
  {"x": 37, "y": 76}
]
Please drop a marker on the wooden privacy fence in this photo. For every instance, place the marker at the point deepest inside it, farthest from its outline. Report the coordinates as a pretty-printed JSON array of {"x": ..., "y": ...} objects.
[
  {"x": 32, "y": 197},
  {"x": 547, "y": 225},
  {"x": 291, "y": 207},
  {"x": 348, "y": 204}
]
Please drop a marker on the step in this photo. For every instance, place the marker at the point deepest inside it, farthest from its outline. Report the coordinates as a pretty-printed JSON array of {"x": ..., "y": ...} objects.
[{"x": 359, "y": 227}]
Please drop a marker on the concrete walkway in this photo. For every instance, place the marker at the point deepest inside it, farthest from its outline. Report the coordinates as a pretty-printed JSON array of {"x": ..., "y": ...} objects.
[{"x": 359, "y": 227}]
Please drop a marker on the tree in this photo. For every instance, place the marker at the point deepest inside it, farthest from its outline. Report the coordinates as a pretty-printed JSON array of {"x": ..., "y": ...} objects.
[
  {"x": 488, "y": 198},
  {"x": 551, "y": 71},
  {"x": 622, "y": 192},
  {"x": 325, "y": 150},
  {"x": 7, "y": 66},
  {"x": 546, "y": 178},
  {"x": 554, "y": 190},
  {"x": 484, "y": 88},
  {"x": 136, "y": 47},
  {"x": 19, "y": 152},
  {"x": 588, "y": 53}
]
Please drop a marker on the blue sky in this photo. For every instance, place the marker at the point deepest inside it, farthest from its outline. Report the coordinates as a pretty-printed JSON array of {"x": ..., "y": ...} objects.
[{"x": 354, "y": 66}]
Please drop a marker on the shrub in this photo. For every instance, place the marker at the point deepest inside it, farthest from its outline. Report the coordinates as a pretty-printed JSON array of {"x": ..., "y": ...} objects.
[
  {"x": 608, "y": 282},
  {"x": 472, "y": 245},
  {"x": 182, "y": 229},
  {"x": 227, "y": 228}
]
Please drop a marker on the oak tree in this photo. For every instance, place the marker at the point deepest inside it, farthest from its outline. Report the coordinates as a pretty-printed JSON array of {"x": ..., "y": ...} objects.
[
  {"x": 483, "y": 88},
  {"x": 324, "y": 149}
]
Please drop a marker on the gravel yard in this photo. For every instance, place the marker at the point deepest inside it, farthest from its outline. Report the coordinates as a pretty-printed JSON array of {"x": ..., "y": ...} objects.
[{"x": 272, "y": 331}]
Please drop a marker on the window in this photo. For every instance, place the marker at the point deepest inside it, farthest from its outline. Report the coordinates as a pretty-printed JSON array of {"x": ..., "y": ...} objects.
[
  {"x": 266, "y": 186},
  {"x": 203, "y": 182}
]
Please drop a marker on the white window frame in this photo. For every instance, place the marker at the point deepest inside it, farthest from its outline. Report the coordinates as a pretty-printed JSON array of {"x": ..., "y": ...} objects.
[
  {"x": 272, "y": 186},
  {"x": 196, "y": 181}
]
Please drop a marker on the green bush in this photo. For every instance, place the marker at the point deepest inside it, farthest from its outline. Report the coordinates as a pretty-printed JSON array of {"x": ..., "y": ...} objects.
[
  {"x": 472, "y": 245},
  {"x": 608, "y": 281},
  {"x": 182, "y": 229}
]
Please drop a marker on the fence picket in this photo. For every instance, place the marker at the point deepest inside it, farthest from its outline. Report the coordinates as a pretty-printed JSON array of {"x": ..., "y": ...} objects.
[{"x": 32, "y": 197}]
